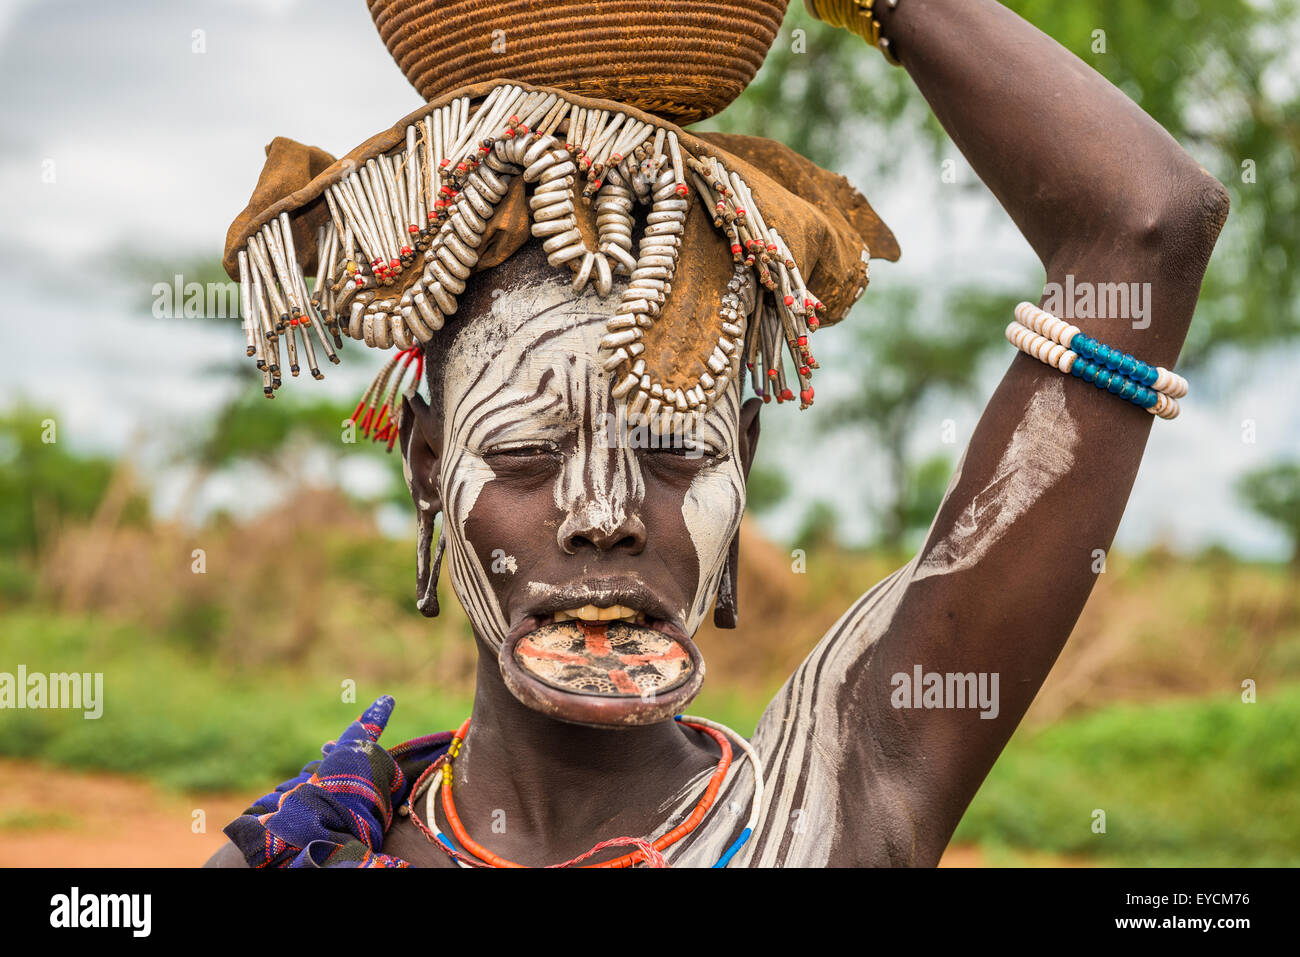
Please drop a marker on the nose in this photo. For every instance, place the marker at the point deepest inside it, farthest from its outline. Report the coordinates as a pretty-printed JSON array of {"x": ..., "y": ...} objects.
[{"x": 596, "y": 526}]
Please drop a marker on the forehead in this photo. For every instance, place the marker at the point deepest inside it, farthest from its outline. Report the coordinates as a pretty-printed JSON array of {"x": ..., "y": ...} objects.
[
  {"x": 530, "y": 358},
  {"x": 536, "y": 334}
]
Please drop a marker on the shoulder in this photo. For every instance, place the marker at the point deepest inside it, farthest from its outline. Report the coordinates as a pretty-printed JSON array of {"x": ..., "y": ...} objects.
[
  {"x": 227, "y": 856},
  {"x": 406, "y": 841}
]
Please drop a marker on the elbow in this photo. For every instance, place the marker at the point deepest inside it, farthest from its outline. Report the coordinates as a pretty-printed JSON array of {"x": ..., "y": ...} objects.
[{"x": 1179, "y": 232}]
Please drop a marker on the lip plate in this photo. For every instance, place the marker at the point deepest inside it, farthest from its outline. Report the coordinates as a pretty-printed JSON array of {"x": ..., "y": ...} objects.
[{"x": 597, "y": 710}]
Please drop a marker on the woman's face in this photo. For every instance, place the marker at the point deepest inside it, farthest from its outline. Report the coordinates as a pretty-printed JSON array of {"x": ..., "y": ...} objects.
[{"x": 551, "y": 503}]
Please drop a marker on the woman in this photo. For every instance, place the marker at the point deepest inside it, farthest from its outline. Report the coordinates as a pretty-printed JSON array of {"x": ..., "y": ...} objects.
[{"x": 871, "y": 751}]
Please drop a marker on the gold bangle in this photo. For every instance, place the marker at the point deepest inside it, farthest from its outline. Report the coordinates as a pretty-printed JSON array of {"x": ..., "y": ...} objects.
[{"x": 856, "y": 16}]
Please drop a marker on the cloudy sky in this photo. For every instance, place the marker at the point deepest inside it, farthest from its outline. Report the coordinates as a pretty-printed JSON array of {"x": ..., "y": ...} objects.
[{"x": 134, "y": 130}]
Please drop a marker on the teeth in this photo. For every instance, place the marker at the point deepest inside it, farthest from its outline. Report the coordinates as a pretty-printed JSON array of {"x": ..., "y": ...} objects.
[{"x": 592, "y": 613}]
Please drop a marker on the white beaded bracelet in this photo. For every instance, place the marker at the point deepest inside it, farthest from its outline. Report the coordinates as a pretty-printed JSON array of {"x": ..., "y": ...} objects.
[{"x": 1102, "y": 366}]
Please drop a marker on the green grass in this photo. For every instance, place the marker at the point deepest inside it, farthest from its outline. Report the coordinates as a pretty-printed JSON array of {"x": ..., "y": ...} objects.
[
  {"x": 1211, "y": 782},
  {"x": 186, "y": 724},
  {"x": 27, "y": 821}
]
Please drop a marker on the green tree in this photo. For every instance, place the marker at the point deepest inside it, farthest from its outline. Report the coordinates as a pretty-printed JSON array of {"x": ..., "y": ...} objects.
[
  {"x": 1273, "y": 492},
  {"x": 44, "y": 483},
  {"x": 817, "y": 529},
  {"x": 278, "y": 435},
  {"x": 765, "y": 487},
  {"x": 900, "y": 360},
  {"x": 927, "y": 481}
]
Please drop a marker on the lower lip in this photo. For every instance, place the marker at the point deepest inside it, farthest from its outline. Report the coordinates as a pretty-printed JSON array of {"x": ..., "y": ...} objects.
[{"x": 602, "y": 674}]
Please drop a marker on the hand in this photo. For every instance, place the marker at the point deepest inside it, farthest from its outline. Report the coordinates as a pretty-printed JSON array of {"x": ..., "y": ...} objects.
[{"x": 336, "y": 811}]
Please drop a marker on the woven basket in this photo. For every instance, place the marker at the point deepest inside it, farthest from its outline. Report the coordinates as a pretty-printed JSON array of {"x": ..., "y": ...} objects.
[{"x": 683, "y": 60}]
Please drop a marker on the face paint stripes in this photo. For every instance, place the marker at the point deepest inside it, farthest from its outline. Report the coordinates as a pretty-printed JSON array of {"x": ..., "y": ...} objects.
[{"x": 517, "y": 378}]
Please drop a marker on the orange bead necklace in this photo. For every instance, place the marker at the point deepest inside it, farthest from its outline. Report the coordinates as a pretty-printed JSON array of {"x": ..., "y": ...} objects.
[{"x": 645, "y": 850}]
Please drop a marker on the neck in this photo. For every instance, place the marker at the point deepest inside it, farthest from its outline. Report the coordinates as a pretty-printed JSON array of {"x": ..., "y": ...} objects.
[{"x": 537, "y": 790}]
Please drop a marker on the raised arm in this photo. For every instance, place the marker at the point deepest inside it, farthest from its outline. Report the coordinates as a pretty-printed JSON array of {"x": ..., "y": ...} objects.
[
  {"x": 1104, "y": 195},
  {"x": 1086, "y": 175}
]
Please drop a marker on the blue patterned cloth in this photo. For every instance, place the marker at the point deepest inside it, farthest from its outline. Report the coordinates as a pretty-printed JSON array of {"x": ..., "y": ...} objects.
[{"x": 336, "y": 811}]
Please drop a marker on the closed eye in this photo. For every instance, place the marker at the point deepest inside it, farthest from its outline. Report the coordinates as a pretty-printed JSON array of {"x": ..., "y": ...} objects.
[
  {"x": 681, "y": 447},
  {"x": 522, "y": 450}
]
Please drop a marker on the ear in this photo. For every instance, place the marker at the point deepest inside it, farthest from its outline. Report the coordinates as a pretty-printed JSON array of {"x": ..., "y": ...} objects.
[
  {"x": 419, "y": 430},
  {"x": 420, "y": 436},
  {"x": 726, "y": 609}
]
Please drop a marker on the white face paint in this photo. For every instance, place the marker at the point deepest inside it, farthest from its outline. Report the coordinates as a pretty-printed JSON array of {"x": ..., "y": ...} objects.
[
  {"x": 530, "y": 373},
  {"x": 715, "y": 501}
]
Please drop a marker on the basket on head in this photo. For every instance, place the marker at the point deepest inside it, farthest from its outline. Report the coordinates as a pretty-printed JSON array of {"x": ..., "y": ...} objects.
[{"x": 684, "y": 60}]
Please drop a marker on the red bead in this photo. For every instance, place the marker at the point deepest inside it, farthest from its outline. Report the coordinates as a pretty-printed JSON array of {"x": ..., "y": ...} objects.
[
  {"x": 771, "y": 373},
  {"x": 803, "y": 340},
  {"x": 395, "y": 264},
  {"x": 406, "y": 250},
  {"x": 681, "y": 189},
  {"x": 412, "y": 228},
  {"x": 789, "y": 300},
  {"x": 735, "y": 249},
  {"x": 813, "y": 323},
  {"x": 804, "y": 370},
  {"x": 786, "y": 395},
  {"x": 807, "y": 395}
]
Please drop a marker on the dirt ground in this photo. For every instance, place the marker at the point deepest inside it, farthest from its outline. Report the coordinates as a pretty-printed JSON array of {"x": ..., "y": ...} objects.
[{"x": 53, "y": 817}]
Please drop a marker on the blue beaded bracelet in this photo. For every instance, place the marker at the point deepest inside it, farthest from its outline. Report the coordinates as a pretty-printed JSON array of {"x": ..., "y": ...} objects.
[
  {"x": 1064, "y": 347},
  {"x": 1126, "y": 365},
  {"x": 1112, "y": 360},
  {"x": 1113, "y": 380}
]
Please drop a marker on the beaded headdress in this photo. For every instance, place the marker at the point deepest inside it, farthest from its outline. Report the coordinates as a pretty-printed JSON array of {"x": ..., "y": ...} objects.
[{"x": 392, "y": 232}]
